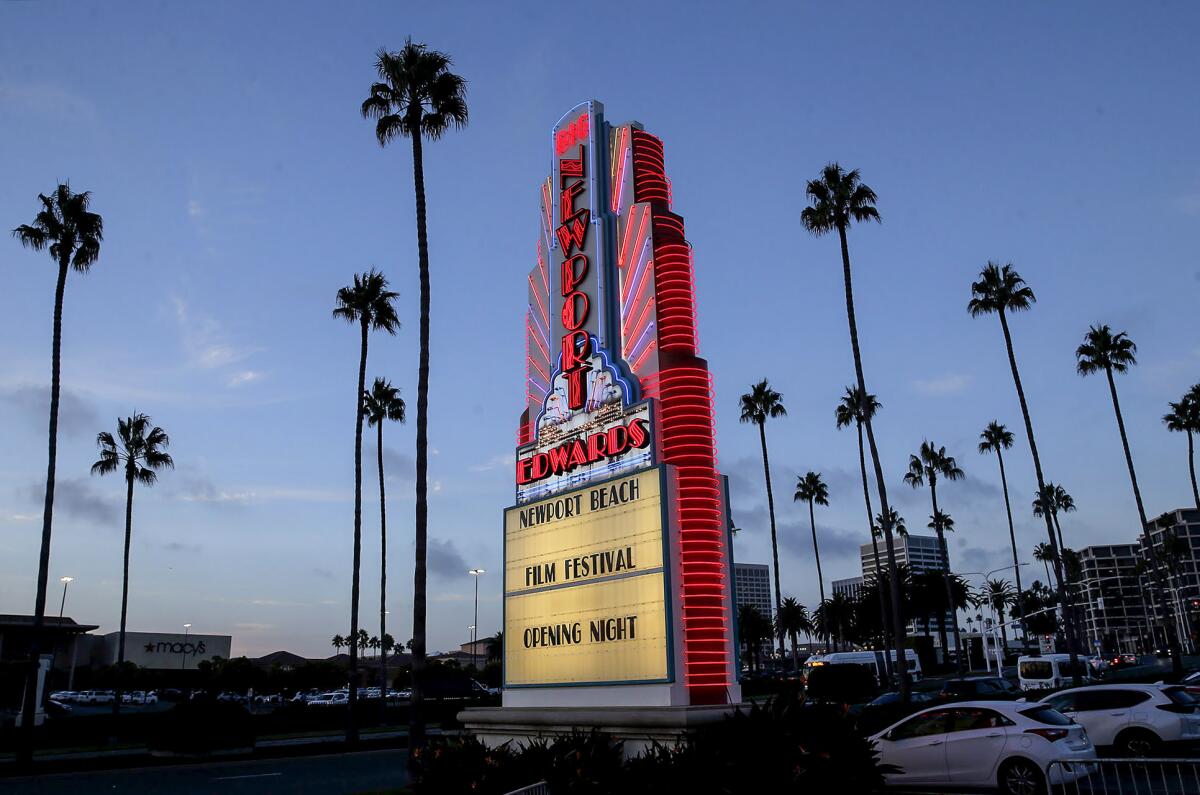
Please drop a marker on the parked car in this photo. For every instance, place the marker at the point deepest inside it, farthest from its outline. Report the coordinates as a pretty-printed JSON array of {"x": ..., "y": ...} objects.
[
  {"x": 64, "y": 696},
  {"x": 229, "y": 697},
  {"x": 888, "y": 708},
  {"x": 977, "y": 688},
  {"x": 95, "y": 697},
  {"x": 333, "y": 699},
  {"x": 268, "y": 698},
  {"x": 56, "y": 708},
  {"x": 976, "y": 744},
  {"x": 139, "y": 697},
  {"x": 1135, "y": 719}
]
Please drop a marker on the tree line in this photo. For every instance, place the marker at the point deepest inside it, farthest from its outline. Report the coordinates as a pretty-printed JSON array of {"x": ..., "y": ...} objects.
[{"x": 837, "y": 200}]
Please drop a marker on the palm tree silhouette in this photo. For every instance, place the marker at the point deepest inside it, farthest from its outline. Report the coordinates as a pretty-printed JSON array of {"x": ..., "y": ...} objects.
[
  {"x": 369, "y": 303},
  {"x": 837, "y": 199},
  {"x": 1045, "y": 553},
  {"x": 1000, "y": 596},
  {"x": 793, "y": 619},
  {"x": 382, "y": 403},
  {"x": 1108, "y": 352},
  {"x": 418, "y": 97},
  {"x": 997, "y": 438},
  {"x": 139, "y": 448},
  {"x": 1054, "y": 499},
  {"x": 811, "y": 489},
  {"x": 926, "y": 466},
  {"x": 1184, "y": 417},
  {"x": 72, "y": 232},
  {"x": 758, "y": 405},
  {"x": 852, "y": 408},
  {"x": 338, "y": 642},
  {"x": 1001, "y": 290}
]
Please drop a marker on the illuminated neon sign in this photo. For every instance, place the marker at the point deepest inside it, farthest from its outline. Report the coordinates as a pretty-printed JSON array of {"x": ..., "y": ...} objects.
[{"x": 572, "y": 233}]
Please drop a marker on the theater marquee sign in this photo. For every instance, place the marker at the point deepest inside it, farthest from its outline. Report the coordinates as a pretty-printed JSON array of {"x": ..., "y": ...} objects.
[
  {"x": 586, "y": 586},
  {"x": 616, "y": 547}
]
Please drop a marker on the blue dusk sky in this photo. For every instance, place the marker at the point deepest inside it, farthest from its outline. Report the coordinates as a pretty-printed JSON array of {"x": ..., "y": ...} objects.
[{"x": 240, "y": 189}]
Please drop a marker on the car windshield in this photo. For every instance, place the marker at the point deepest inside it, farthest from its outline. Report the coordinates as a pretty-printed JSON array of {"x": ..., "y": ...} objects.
[
  {"x": 1047, "y": 715},
  {"x": 1036, "y": 669}
]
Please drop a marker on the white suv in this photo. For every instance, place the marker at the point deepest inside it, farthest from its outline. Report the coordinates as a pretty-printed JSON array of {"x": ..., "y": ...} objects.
[
  {"x": 982, "y": 744},
  {"x": 1137, "y": 720}
]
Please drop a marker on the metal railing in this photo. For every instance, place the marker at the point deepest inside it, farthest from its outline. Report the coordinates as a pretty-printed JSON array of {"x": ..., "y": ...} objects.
[
  {"x": 540, "y": 788},
  {"x": 1128, "y": 776}
]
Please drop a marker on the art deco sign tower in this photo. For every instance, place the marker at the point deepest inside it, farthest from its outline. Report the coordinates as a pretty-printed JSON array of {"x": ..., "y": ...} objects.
[{"x": 617, "y": 581}]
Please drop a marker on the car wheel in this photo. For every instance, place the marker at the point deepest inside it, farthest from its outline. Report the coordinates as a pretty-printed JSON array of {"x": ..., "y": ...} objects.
[
  {"x": 1138, "y": 742},
  {"x": 1021, "y": 777}
]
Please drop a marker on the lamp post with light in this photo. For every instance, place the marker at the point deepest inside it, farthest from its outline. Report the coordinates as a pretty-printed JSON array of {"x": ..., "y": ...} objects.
[
  {"x": 476, "y": 573},
  {"x": 183, "y": 655}
]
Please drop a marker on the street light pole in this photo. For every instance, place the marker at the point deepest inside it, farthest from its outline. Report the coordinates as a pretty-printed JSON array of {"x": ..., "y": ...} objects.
[
  {"x": 183, "y": 655},
  {"x": 65, "y": 581},
  {"x": 476, "y": 573}
]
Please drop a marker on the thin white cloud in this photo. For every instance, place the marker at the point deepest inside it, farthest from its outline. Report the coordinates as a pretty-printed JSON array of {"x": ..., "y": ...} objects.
[
  {"x": 949, "y": 384},
  {"x": 205, "y": 341},
  {"x": 503, "y": 461},
  {"x": 244, "y": 377},
  {"x": 195, "y": 209}
]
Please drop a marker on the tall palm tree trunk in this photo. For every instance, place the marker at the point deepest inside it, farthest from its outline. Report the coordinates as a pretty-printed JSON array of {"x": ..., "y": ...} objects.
[
  {"x": 880, "y": 483},
  {"x": 382, "y": 580},
  {"x": 1168, "y": 627},
  {"x": 351, "y": 725},
  {"x": 762, "y": 436},
  {"x": 883, "y": 599},
  {"x": 941, "y": 536},
  {"x": 1012, "y": 537},
  {"x": 812, "y": 521},
  {"x": 124, "y": 592},
  {"x": 416, "y": 729},
  {"x": 29, "y": 704},
  {"x": 1192, "y": 469},
  {"x": 1064, "y": 608}
]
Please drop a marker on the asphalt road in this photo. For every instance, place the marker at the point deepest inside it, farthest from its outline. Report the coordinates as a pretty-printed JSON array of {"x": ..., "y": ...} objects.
[{"x": 333, "y": 774}]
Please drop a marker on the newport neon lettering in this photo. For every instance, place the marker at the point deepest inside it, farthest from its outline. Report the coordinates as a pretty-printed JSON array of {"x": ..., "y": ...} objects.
[{"x": 572, "y": 232}]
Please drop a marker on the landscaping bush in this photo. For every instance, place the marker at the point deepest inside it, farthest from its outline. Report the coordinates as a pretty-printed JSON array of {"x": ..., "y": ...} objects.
[
  {"x": 783, "y": 745},
  {"x": 200, "y": 727}
]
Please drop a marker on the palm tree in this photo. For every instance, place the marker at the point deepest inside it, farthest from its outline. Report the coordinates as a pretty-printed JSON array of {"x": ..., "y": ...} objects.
[
  {"x": 381, "y": 403},
  {"x": 495, "y": 647},
  {"x": 338, "y": 642},
  {"x": 926, "y": 466},
  {"x": 812, "y": 489},
  {"x": 418, "y": 97},
  {"x": 1055, "y": 500},
  {"x": 139, "y": 448},
  {"x": 371, "y": 304},
  {"x": 837, "y": 199},
  {"x": 997, "y": 438},
  {"x": 999, "y": 594},
  {"x": 834, "y": 619},
  {"x": 1045, "y": 553},
  {"x": 758, "y": 405},
  {"x": 895, "y": 520},
  {"x": 1108, "y": 352},
  {"x": 72, "y": 232},
  {"x": 1001, "y": 290},
  {"x": 793, "y": 619},
  {"x": 853, "y": 408},
  {"x": 753, "y": 629},
  {"x": 1185, "y": 418}
]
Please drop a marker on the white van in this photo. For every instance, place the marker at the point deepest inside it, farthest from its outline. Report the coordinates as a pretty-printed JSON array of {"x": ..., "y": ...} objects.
[
  {"x": 1048, "y": 671},
  {"x": 870, "y": 659}
]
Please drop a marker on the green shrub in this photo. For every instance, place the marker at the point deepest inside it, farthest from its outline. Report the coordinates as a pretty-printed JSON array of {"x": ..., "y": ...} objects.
[{"x": 783, "y": 746}]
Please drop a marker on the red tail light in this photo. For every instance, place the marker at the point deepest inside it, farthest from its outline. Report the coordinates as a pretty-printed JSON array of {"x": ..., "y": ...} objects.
[{"x": 1053, "y": 735}]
